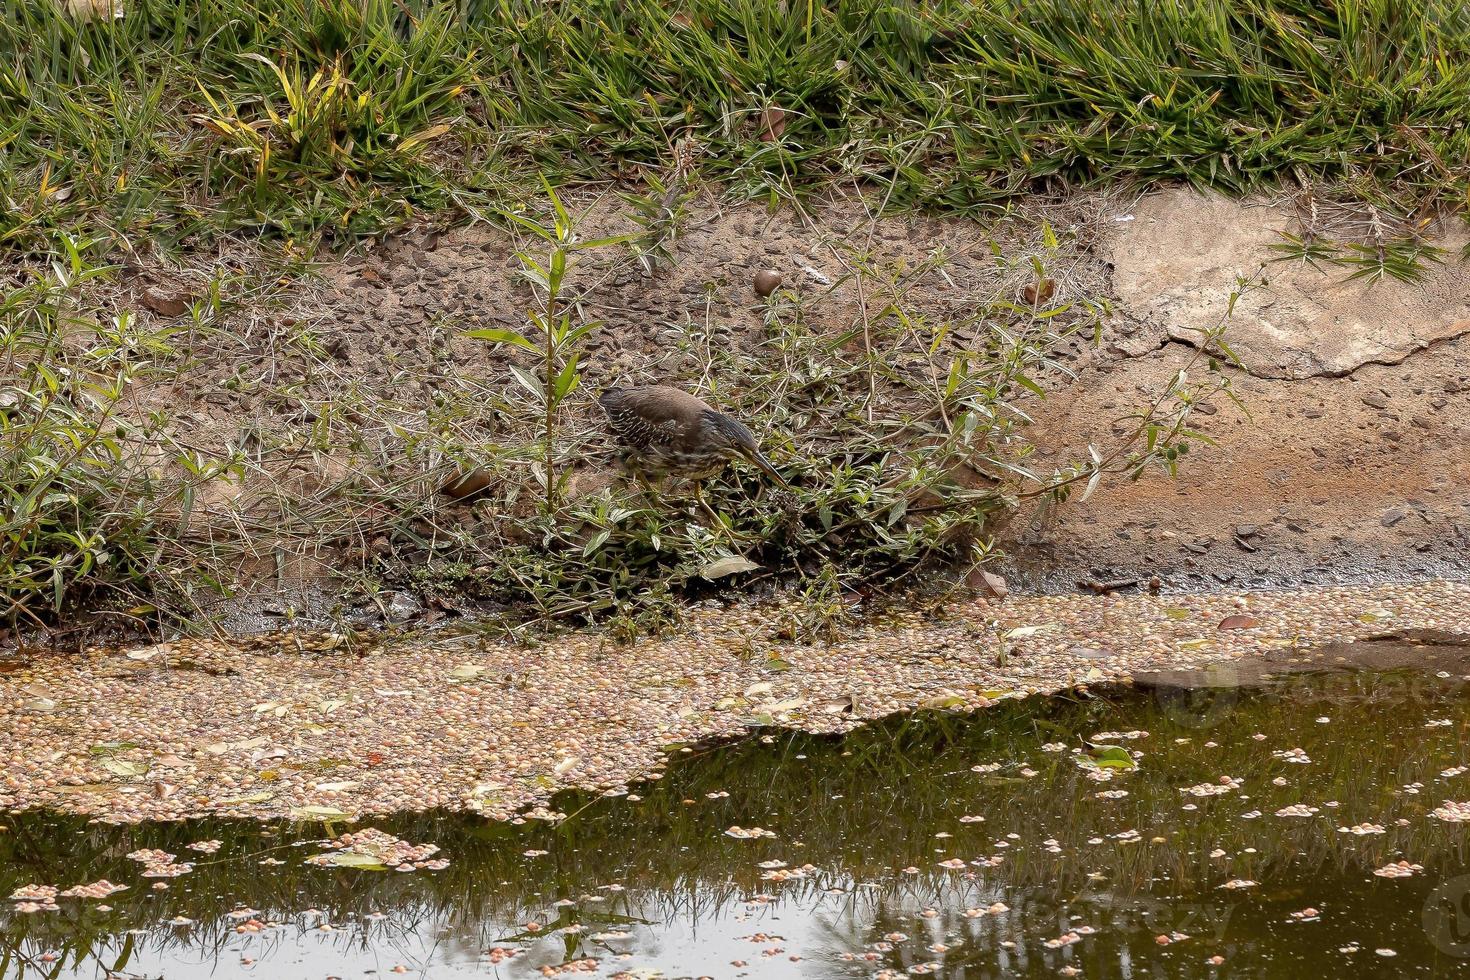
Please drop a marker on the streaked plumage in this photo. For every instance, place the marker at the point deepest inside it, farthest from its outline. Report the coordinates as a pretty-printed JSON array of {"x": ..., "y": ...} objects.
[{"x": 665, "y": 431}]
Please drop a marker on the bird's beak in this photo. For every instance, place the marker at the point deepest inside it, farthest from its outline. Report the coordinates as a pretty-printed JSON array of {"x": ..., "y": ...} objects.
[{"x": 766, "y": 467}]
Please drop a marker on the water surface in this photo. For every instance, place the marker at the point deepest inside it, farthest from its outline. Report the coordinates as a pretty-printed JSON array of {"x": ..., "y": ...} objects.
[{"x": 982, "y": 846}]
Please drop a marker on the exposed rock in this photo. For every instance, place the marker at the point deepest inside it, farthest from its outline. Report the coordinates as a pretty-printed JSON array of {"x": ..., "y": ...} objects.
[
  {"x": 1178, "y": 262},
  {"x": 401, "y": 607}
]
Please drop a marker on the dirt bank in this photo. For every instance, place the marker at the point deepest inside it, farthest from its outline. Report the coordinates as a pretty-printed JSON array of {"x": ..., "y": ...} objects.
[
  {"x": 1333, "y": 467},
  {"x": 352, "y": 393}
]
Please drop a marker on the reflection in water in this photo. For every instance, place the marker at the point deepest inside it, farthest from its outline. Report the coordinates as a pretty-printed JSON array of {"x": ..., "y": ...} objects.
[{"x": 878, "y": 859}]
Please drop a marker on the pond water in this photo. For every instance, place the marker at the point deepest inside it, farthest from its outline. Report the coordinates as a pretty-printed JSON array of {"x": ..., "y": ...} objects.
[{"x": 1242, "y": 842}]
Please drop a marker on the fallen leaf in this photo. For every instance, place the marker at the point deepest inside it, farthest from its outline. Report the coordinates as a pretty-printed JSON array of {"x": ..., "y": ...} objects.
[
  {"x": 467, "y": 672},
  {"x": 252, "y": 798},
  {"x": 89, "y": 788},
  {"x": 1039, "y": 292},
  {"x": 989, "y": 583},
  {"x": 318, "y": 813},
  {"x": 125, "y": 767},
  {"x": 1111, "y": 757},
  {"x": 1023, "y": 631},
  {"x": 351, "y": 859},
  {"x": 1239, "y": 622},
  {"x": 164, "y": 305},
  {"x": 731, "y": 565},
  {"x": 772, "y": 123},
  {"x": 111, "y": 748},
  {"x": 791, "y": 704}
]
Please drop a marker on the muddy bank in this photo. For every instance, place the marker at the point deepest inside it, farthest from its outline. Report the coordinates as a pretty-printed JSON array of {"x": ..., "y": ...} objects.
[
  {"x": 269, "y": 729},
  {"x": 354, "y": 391}
]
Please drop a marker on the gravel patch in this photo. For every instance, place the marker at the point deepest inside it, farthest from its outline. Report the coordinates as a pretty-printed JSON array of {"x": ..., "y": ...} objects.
[{"x": 324, "y": 727}]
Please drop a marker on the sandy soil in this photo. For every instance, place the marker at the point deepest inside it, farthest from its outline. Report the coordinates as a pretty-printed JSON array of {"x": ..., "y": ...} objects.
[{"x": 1314, "y": 485}]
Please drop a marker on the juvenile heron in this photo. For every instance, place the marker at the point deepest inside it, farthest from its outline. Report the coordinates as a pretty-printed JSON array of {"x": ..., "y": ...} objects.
[{"x": 668, "y": 432}]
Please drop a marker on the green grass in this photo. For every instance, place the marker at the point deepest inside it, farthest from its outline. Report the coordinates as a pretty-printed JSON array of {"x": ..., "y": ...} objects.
[{"x": 305, "y": 119}]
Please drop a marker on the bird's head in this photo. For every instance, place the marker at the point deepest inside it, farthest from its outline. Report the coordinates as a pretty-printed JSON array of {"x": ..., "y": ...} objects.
[{"x": 736, "y": 439}]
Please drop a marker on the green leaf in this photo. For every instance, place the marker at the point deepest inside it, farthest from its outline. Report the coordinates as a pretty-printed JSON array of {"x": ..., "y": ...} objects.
[
  {"x": 1111, "y": 757},
  {"x": 601, "y": 242},
  {"x": 529, "y": 225},
  {"x": 1030, "y": 385},
  {"x": 498, "y": 335},
  {"x": 530, "y": 382},
  {"x": 351, "y": 859},
  {"x": 564, "y": 220},
  {"x": 567, "y": 379}
]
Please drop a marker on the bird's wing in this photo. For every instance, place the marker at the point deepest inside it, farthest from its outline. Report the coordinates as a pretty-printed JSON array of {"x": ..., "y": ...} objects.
[
  {"x": 660, "y": 404},
  {"x": 636, "y": 421},
  {"x": 654, "y": 416}
]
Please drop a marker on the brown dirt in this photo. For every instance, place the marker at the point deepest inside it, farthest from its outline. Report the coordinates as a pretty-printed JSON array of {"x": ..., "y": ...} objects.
[
  {"x": 1356, "y": 477},
  {"x": 1314, "y": 485}
]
